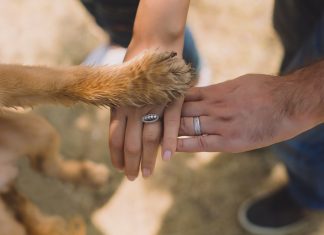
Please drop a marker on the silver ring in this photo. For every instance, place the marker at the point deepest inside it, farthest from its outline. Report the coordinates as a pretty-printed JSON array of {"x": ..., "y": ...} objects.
[
  {"x": 150, "y": 118},
  {"x": 197, "y": 126}
]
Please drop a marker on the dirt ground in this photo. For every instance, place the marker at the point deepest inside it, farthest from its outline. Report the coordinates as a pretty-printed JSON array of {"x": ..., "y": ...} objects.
[{"x": 194, "y": 193}]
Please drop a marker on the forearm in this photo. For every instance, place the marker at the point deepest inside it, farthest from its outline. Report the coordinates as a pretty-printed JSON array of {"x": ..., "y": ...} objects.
[
  {"x": 304, "y": 93},
  {"x": 159, "y": 24}
]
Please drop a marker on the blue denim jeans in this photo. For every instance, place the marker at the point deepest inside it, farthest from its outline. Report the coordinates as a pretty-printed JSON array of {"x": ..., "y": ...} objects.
[
  {"x": 303, "y": 155},
  {"x": 190, "y": 51}
]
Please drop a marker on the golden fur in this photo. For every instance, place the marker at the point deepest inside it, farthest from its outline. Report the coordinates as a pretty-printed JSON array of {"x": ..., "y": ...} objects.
[{"x": 152, "y": 78}]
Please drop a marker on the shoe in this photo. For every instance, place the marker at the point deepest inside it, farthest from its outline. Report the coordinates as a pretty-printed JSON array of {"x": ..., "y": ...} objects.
[{"x": 274, "y": 214}]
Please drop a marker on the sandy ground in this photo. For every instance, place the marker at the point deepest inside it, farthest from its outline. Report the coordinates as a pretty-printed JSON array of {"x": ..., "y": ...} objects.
[{"x": 193, "y": 194}]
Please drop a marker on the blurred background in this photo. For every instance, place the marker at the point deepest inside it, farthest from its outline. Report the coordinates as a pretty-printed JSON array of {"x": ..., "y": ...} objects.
[{"x": 194, "y": 193}]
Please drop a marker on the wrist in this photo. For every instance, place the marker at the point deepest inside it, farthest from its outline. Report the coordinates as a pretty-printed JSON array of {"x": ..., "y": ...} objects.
[
  {"x": 138, "y": 45},
  {"x": 160, "y": 36},
  {"x": 302, "y": 99}
]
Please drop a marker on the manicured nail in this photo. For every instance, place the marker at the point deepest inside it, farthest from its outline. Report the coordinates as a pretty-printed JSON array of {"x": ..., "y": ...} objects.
[
  {"x": 146, "y": 172},
  {"x": 131, "y": 178},
  {"x": 167, "y": 155}
]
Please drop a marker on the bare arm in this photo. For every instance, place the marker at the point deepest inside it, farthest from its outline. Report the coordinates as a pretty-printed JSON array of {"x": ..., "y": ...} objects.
[
  {"x": 253, "y": 111},
  {"x": 159, "y": 24}
]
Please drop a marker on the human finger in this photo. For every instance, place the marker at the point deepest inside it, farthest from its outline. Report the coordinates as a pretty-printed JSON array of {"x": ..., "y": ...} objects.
[
  {"x": 208, "y": 125},
  {"x": 151, "y": 139},
  {"x": 133, "y": 145},
  {"x": 194, "y": 94},
  {"x": 171, "y": 128},
  {"x": 116, "y": 138},
  {"x": 203, "y": 143}
]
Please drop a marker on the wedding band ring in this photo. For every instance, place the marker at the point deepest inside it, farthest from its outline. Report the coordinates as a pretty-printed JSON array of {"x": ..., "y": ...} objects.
[
  {"x": 150, "y": 118},
  {"x": 197, "y": 126}
]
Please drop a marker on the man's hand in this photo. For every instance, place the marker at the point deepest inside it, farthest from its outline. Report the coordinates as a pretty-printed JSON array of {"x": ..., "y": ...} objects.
[{"x": 246, "y": 113}]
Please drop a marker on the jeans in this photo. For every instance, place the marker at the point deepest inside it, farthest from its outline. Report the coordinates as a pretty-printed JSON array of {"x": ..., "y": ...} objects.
[{"x": 303, "y": 155}]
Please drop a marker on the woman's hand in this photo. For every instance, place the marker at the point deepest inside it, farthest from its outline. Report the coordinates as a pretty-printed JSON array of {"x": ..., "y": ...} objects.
[
  {"x": 131, "y": 142},
  {"x": 159, "y": 24}
]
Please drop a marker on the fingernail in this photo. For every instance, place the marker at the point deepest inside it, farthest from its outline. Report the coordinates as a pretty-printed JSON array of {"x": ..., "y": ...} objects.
[
  {"x": 131, "y": 178},
  {"x": 167, "y": 155},
  {"x": 146, "y": 172}
]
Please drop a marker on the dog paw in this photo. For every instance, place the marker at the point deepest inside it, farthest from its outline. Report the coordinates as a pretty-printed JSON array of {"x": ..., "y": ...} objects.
[
  {"x": 152, "y": 78},
  {"x": 156, "y": 78}
]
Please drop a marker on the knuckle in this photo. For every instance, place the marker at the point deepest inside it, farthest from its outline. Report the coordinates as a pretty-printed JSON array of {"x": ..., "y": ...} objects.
[{"x": 132, "y": 150}]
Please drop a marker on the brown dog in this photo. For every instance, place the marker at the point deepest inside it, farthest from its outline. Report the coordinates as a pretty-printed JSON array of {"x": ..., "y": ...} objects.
[{"x": 153, "y": 78}]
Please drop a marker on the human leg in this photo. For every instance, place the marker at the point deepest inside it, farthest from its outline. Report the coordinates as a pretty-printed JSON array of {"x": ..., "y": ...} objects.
[
  {"x": 304, "y": 154},
  {"x": 302, "y": 34}
]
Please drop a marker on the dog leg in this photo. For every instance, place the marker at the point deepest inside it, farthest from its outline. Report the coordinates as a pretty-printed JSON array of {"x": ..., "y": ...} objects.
[
  {"x": 9, "y": 225},
  {"x": 36, "y": 222},
  {"x": 152, "y": 78},
  {"x": 8, "y": 168},
  {"x": 31, "y": 135}
]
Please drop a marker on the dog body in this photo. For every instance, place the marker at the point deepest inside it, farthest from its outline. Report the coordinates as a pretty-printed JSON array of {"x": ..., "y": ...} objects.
[{"x": 153, "y": 78}]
